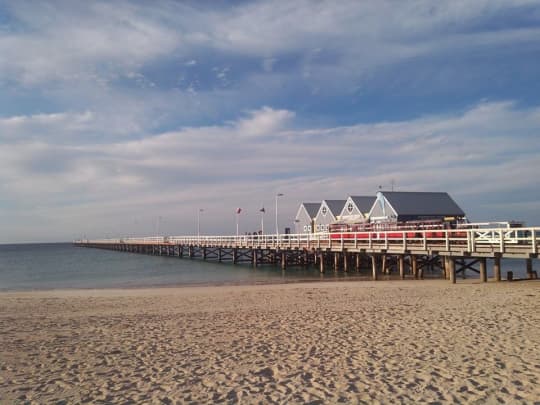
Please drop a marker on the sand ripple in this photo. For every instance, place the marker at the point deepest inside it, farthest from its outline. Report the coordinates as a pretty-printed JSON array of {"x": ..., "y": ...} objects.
[{"x": 364, "y": 342}]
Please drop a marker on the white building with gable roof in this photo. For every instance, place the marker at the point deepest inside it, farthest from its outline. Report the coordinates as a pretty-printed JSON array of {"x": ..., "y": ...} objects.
[{"x": 328, "y": 213}]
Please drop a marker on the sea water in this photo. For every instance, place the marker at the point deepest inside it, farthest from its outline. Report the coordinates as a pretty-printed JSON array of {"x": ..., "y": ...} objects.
[{"x": 64, "y": 266}]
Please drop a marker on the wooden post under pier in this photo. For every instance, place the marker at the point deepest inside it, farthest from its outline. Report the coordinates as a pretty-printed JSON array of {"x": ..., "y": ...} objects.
[
  {"x": 528, "y": 264},
  {"x": 374, "y": 267},
  {"x": 452, "y": 269},
  {"x": 414, "y": 266},
  {"x": 421, "y": 272},
  {"x": 401, "y": 261},
  {"x": 483, "y": 270},
  {"x": 497, "y": 268},
  {"x": 235, "y": 255}
]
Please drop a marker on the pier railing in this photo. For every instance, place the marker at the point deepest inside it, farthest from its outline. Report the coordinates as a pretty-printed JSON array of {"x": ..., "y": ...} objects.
[{"x": 516, "y": 242}]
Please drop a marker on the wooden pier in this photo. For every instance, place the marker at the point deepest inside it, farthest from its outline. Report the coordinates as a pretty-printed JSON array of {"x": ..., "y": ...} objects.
[{"x": 449, "y": 251}]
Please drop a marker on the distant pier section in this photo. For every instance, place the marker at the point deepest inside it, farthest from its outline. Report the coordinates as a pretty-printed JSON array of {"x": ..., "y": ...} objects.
[{"x": 405, "y": 253}]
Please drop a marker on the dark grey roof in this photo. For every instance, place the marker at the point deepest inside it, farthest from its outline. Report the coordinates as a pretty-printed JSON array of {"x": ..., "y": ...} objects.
[
  {"x": 364, "y": 203},
  {"x": 422, "y": 203},
  {"x": 312, "y": 209},
  {"x": 335, "y": 206}
]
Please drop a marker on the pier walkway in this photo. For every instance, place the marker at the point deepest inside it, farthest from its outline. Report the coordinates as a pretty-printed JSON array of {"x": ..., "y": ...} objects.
[{"x": 407, "y": 252}]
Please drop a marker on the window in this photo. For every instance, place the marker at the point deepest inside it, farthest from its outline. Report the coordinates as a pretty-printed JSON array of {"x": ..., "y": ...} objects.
[
  {"x": 350, "y": 207},
  {"x": 324, "y": 211}
]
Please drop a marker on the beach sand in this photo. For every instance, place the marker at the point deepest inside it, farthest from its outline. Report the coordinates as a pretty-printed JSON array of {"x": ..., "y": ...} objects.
[{"x": 350, "y": 342}]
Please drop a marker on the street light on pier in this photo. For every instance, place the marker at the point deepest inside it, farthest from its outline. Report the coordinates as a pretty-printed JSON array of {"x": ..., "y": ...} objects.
[
  {"x": 262, "y": 211},
  {"x": 277, "y": 225},
  {"x": 199, "y": 222}
]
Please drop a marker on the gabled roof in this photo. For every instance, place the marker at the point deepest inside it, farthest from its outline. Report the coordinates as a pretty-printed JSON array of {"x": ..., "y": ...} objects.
[
  {"x": 422, "y": 203},
  {"x": 335, "y": 206},
  {"x": 311, "y": 208},
  {"x": 363, "y": 203}
]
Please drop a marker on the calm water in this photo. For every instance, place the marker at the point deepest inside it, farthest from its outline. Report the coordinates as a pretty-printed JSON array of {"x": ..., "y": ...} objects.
[{"x": 60, "y": 266}]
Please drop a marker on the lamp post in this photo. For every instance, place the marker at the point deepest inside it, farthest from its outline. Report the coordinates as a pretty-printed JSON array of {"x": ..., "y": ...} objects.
[
  {"x": 238, "y": 211},
  {"x": 262, "y": 211},
  {"x": 199, "y": 222},
  {"x": 277, "y": 226}
]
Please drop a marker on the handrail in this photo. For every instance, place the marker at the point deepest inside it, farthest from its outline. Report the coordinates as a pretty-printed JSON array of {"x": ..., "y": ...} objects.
[{"x": 470, "y": 240}]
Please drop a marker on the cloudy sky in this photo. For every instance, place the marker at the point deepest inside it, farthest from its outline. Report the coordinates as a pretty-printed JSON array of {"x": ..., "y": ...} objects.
[{"x": 126, "y": 117}]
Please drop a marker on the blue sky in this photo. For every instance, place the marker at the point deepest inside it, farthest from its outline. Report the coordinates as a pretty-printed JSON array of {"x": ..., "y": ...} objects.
[{"x": 114, "y": 114}]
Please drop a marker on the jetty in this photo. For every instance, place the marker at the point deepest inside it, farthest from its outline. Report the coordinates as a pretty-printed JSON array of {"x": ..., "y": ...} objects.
[{"x": 409, "y": 254}]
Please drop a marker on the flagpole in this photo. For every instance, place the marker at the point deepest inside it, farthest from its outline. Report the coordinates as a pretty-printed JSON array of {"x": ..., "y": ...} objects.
[
  {"x": 263, "y": 211},
  {"x": 277, "y": 226}
]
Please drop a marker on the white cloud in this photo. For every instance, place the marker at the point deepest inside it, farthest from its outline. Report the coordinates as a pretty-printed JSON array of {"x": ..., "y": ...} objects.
[
  {"x": 116, "y": 139},
  {"x": 44, "y": 125},
  {"x": 99, "y": 41},
  {"x": 245, "y": 162},
  {"x": 265, "y": 121},
  {"x": 70, "y": 42}
]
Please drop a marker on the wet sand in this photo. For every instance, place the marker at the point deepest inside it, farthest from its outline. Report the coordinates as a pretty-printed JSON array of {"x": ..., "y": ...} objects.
[{"x": 351, "y": 342}]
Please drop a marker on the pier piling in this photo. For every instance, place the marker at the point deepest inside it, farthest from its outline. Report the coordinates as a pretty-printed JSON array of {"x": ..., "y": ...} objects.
[{"x": 497, "y": 268}]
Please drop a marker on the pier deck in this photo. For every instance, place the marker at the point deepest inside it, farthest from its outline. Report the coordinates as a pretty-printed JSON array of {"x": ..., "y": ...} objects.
[{"x": 452, "y": 251}]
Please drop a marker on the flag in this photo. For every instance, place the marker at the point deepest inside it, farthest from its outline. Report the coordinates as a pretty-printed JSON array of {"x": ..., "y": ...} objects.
[
  {"x": 238, "y": 210},
  {"x": 262, "y": 210}
]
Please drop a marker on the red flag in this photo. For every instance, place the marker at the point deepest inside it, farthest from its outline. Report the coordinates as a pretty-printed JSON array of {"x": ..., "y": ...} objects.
[{"x": 238, "y": 210}]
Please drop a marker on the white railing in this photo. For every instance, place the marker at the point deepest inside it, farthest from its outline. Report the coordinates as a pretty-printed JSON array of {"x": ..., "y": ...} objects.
[{"x": 470, "y": 240}]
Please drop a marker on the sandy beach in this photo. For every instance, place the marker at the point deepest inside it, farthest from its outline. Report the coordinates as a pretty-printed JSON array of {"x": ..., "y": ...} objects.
[{"x": 348, "y": 342}]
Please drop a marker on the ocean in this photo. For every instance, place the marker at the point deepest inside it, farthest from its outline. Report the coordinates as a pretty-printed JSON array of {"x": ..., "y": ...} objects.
[{"x": 63, "y": 266}]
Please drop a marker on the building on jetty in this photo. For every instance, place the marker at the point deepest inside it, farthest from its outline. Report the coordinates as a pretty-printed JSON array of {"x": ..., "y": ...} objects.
[
  {"x": 305, "y": 217},
  {"x": 397, "y": 206},
  {"x": 327, "y": 214},
  {"x": 386, "y": 206},
  {"x": 356, "y": 208}
]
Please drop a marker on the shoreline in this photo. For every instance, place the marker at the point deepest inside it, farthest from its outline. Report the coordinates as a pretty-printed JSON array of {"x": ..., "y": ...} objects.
[
  {"x": 270, "y": 282},
  {"x": 359, "y": 341}
]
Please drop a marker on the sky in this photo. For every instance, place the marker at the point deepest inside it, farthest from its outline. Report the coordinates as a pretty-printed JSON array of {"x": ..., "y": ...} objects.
[{"x": 127, "y": 118}]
